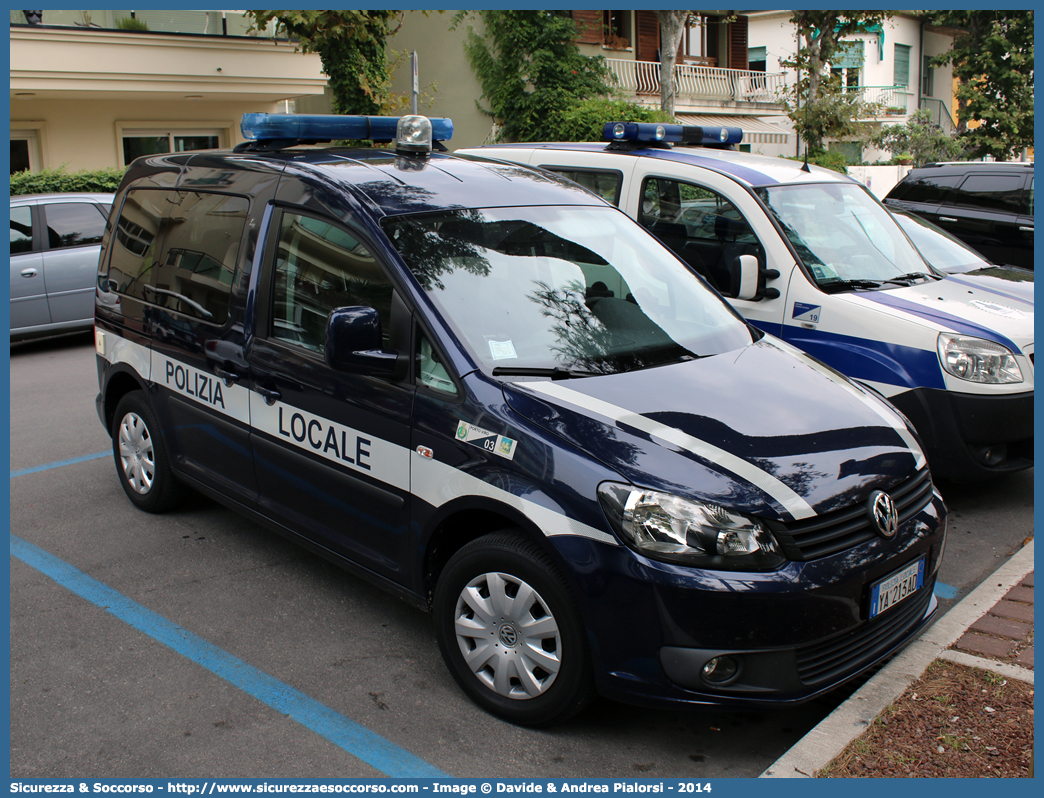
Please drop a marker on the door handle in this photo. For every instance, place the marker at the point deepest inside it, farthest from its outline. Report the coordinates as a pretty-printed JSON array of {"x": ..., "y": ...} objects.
[
  {"x": 947, "y": 219},
  {"x": 227, "y": 377},
  {"x": 30, "y": 272},
  {"x": 1024, "y": 229},
  {"x": 271, "y": 396}
]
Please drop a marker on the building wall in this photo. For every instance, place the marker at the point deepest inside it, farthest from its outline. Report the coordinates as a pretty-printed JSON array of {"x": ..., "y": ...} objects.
[
  {"x": 86, "y": 134},
  {"x": 777, "y": 34},
  {"x": 443, "y": 73},
  {"x": 74, "y": 91}
]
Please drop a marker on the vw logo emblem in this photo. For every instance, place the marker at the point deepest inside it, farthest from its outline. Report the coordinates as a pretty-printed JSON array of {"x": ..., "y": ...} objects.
[
  {"x": 508, "y": 635},
  {"x": 881, "y": 510}
]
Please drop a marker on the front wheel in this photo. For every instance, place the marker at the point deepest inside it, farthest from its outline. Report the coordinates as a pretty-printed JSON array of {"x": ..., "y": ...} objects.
[
  {"x": 510, "y": 632},
  {"x": 141, "y": 456}
]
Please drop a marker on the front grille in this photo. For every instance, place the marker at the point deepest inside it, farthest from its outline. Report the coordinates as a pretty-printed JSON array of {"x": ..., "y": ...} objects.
[
  {"x": 843, "y": 529},
  {"x": 847, "y": 652}
]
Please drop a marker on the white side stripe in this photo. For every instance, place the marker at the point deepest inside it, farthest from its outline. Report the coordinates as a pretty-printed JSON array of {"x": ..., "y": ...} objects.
[
  {"x": 778, "y": 490},
  {"x": 386, "y": 462}
]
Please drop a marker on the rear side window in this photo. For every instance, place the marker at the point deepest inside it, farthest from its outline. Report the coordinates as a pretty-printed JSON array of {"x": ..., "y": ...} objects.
[
  {"x": 990, "y": 193},
  {"x": 73, "y": 224},
  {"x": 606, "y": 184},
  {"x": 926, "y": 189},
  {"x": 21, "y": 229},
  {"x": 178, "y": 250}
]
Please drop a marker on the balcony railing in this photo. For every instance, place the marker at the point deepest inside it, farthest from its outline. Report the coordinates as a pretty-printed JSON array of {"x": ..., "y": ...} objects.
[
  {"x": 207, "y": 23},
  {"x": 939, "y": 113},
  {"x": 893, "y": 100},
  {"x": 693, "y": 82}
]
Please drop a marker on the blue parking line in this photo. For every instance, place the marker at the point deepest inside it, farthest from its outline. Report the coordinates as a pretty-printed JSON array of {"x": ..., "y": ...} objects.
[
  {"x": 59, "y": 463},
  {"x": 357, "y": 740},
  {"x": 945, "y": 591}
]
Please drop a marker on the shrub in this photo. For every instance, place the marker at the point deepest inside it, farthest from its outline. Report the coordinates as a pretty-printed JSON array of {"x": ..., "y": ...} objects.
[
  {"x": 58, "y": 181},
  {"x": 131, "y": 23},
  {"x": 585, "y": 120},
  {"x": 829, "y": 159}
]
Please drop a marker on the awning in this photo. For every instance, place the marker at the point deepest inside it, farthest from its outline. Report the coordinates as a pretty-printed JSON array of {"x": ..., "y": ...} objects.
[{"x": 755, "y": 131}]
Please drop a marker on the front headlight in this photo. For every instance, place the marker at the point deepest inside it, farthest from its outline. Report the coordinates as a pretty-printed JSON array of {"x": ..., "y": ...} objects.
[
  {"x": 667, "y": 527},
  {"x": 978, "y": 360}
]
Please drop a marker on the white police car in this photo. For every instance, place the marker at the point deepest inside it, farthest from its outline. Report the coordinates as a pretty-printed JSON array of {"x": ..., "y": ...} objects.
[
  {"x": 500, "y": 398},
  {"x": 810, "y": 256}
]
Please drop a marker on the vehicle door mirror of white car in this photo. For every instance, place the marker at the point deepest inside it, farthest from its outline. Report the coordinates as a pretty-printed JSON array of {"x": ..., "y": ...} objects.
[
  {"x": 748, "y": 279},
  {"x": 354, "y": 342}
]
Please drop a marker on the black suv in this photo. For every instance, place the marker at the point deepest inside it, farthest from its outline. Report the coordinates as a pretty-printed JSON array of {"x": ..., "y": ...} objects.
[{"x": 989, "y": 206}]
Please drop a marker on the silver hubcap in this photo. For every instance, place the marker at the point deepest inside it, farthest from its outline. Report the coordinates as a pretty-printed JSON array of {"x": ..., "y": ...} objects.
[
  {"x": 507, "y": 635},
  {"x": 136, "y": 454}
]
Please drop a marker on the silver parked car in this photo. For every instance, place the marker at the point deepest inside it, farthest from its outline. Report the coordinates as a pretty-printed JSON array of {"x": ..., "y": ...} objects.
[{"x": 55, "y": 244}]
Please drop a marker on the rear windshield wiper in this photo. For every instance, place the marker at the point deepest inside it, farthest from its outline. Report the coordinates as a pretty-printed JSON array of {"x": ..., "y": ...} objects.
[{"x": 556, "y": 373}]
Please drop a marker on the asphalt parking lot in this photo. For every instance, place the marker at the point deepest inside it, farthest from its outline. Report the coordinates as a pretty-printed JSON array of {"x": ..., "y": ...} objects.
[{"x": 197, "y": 644}]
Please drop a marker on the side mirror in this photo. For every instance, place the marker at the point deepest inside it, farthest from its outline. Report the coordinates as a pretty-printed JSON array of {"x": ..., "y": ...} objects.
[
  {"x": 353, "y": 342},
  {"x": 748, "y": 279}
]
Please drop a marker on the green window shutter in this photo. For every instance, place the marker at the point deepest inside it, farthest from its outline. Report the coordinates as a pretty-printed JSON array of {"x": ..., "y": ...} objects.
[
  {"x": 902, "y": 65},
  {"x": 849, "y": 55},
  {"x": 756, "y": 54}
]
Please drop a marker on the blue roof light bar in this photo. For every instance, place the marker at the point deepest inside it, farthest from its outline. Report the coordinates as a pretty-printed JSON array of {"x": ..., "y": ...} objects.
[
  {"x": 653, "y": 133},
  {"x": 328, "y": 127}
]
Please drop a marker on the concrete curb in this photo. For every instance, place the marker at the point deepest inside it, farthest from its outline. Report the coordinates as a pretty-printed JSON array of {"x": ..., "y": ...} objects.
[{"x": 830, "y": 737}]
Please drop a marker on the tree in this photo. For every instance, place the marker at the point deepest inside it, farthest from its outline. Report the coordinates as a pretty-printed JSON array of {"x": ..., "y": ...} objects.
[
  {"x": 819, "y": 106},
  {"x": 352, "y": 46},
  {"x": 992, "y": 58},
  {"x": 672, "y": 26},
  {"x": 923, "y": 140},
  {"x": 531, "y": 70}
]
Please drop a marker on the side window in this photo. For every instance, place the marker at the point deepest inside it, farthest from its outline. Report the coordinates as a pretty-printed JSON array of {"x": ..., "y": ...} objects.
[
  {"x": 73, "y": 224},
  {"x": 931, "y": 190},
  {"x": 200, "y": 252},
  {"x": 136, "y": 238},
  {"x": 21, "y": 229},
  {"x": 1027, "y": 204},
  {"x": 321, "y": 267},
  {"x": 179, "y": 249},
  {"x": 701, "y": 226},
  {"x": 431, "y": 373},
  {"x": 990, "y": 192},
  {"x": 606, "y": 184}
]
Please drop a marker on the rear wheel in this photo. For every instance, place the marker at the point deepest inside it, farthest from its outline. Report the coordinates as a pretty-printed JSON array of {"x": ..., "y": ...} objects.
[
  {"x": 141, "y": 456},
  {"x": 510, "y": 632}
]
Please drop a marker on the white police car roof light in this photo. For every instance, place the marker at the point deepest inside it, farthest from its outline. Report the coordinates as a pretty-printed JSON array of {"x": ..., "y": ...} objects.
[
  {"x": 328, "y": 127},
  {"x": 654, "y": 133}
]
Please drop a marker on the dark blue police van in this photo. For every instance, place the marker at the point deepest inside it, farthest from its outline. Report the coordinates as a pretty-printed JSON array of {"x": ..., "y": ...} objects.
[{"x": 500, "y": 398}]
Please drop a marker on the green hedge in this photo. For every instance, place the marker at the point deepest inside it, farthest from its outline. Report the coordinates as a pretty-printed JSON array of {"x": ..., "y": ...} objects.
[
  {"x": 58, "y": 181},
  {"x": 585, "y": 120}
]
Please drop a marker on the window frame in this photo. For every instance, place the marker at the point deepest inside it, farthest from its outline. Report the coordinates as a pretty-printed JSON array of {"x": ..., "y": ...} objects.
[{"x": 172, "y": 129}]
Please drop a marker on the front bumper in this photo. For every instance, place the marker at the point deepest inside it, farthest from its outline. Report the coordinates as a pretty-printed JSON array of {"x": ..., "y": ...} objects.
[
  {"x": 971, "y": 436},
  {"x": 797, "y": 632}
]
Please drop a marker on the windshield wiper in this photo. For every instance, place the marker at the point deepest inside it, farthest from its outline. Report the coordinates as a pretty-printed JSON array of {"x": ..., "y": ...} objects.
[
  {"x": 843, "y": 284},
  {"x": 556, "y": 373},
  {"x": 907, "y": 279}
]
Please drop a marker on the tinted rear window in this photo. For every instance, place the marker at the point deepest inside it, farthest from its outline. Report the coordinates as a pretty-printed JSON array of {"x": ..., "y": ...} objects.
[
  {"x": 179, "y": 249},
  {"x": 991, "y": 192},
  {"x": 925, "y": 189}
]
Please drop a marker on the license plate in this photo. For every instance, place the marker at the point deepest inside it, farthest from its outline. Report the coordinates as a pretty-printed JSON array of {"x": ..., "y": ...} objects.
[{"x": 895, "y": 588}]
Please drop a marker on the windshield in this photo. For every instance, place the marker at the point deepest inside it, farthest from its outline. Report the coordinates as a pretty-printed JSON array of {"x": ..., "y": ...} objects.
[
  {"x": 939, "y": 248},
  {"x": 845, "y": 238},
  {"x": 564, "y": 291}
]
